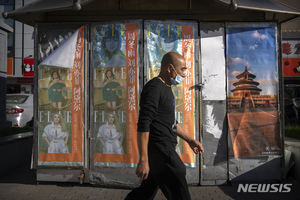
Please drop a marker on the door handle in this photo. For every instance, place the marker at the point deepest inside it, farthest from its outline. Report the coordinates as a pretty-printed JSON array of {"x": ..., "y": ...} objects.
[{"x": 199, "y": 86}]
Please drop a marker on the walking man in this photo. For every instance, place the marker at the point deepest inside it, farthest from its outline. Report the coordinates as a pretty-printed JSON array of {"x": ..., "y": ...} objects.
[{"x": 159, "y": 165}]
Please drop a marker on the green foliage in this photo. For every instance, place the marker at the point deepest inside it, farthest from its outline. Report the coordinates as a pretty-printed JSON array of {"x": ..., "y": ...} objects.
[
  {"x": 292, "y": 131},
  {"x": 15, "y": 130}
]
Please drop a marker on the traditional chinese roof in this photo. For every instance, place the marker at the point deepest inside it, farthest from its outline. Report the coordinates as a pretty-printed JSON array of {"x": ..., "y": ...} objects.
[
  {"x": 246, "y": 72},
  {"x": 246, "y": 88},
  {"x": 248, "y": 84},
  {"x": 245, "y": 81}
]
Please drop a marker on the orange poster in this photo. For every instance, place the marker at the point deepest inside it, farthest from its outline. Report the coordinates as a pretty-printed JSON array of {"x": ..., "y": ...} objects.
[
  {"x": 61, "y": 105},
  {"x": 115, "y": 61}
]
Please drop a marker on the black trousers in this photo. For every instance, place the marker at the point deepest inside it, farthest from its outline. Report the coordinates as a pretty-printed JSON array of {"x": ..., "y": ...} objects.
[{"x": 167, "y": 172}]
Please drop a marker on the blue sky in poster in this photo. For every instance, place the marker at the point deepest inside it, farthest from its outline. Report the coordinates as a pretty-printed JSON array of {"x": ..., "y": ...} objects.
[{"x": 256, "y": 49}]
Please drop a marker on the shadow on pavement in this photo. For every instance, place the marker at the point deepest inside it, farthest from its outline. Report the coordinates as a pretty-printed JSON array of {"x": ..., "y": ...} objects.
[{"x": 22, "y": 175}]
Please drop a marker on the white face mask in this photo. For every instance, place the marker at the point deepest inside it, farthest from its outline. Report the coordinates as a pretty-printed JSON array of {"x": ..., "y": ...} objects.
[{"x": 178, "y": 79}]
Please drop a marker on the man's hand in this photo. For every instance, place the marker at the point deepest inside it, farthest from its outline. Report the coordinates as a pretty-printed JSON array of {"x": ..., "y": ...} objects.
[
  {"x": 142, "y": 169},
  {"x": 196, "y": 146}
]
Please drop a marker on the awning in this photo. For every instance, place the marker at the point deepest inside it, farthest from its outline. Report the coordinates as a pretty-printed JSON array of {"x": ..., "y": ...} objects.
[
  {"x": 262, "y": 5},
  {"x": 34, "y": 11},
  {"x": 91, "y": 10},
  {"x": 46, "y": 6}
]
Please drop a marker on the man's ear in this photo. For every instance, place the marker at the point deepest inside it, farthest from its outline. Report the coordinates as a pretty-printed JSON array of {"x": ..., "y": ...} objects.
[{"x": 169, "y": 68}]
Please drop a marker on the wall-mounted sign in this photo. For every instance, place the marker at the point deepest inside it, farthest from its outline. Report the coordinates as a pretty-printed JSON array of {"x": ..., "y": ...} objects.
[
  {"x": 291, "y": 57},
  {"x": 28, "y": 67}
]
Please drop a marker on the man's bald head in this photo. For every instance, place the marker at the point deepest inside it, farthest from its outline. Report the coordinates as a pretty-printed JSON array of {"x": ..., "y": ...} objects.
[{"x": 171, "y": 58}]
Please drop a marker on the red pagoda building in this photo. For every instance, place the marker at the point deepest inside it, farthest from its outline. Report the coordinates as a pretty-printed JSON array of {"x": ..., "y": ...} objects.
[{"x": 246, "y": 86}]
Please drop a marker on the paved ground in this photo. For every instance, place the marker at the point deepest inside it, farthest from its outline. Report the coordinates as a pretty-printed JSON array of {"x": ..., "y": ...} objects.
[
  {"x": 21, "y": 184},
  {"x": 254, "y": 131}
]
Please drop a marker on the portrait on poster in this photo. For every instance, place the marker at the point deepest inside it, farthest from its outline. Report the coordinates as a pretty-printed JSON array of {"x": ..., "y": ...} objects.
[
  {"x": 55, "y": 88},
  {"x": 55, "y": 132},
  {"x": 109, "y": 88},
  {"x": 109, "y": 45},
  {"x": 161, "y": 39},
  {"x": 110, "y": 132}
]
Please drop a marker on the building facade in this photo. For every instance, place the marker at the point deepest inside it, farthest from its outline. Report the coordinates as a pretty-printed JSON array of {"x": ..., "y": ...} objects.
[{"x": 20, "y": 51}]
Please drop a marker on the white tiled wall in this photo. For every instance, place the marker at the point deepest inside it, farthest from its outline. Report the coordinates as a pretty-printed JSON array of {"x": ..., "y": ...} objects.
[
  {"x": 18, "y": 4},
  {"x": 18, "y": 53},
  {"x": 18, "y": 67},
  {"x": 28, "y": 41},
  {"x": 18, "y": 27},
  {"x": 28, "y": 29},
  {"x": 18, "y": 40}
]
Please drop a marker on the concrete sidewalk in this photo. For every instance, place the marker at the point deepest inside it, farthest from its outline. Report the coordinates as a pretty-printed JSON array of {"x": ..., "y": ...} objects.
[{"x": 21, "y": 184}]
